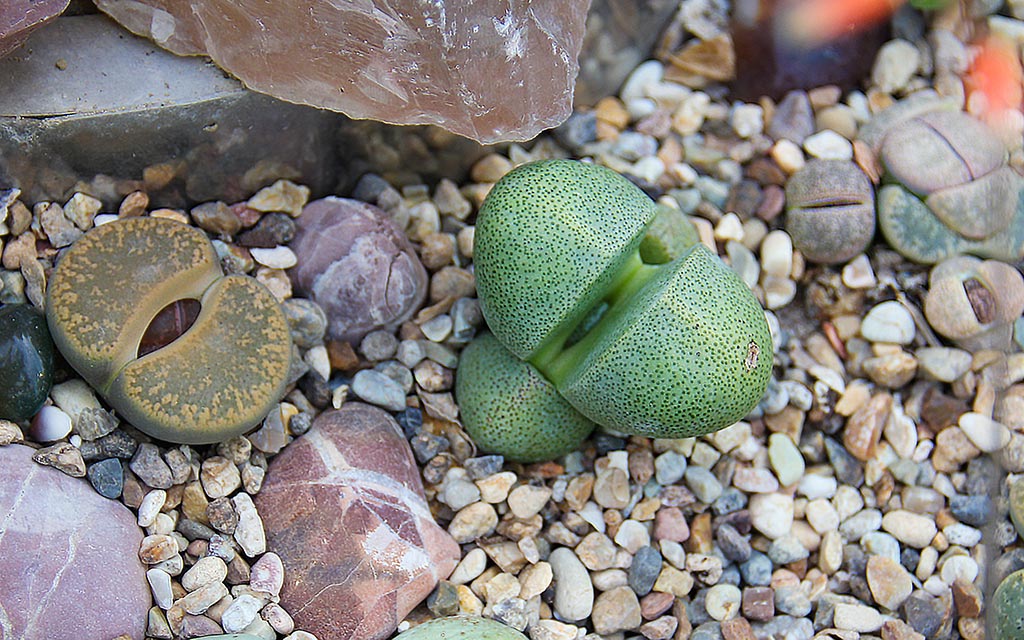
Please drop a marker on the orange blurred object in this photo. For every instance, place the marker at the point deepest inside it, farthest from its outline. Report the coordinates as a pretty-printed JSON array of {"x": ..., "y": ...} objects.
[
  {"x": 996, "y": 73},
  {"x": 811, "y": 22}
]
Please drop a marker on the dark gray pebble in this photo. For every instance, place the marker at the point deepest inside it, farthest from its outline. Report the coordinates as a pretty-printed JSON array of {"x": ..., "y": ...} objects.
[
  {"x": 107, "y": 477},
  {"x": 483, "y": 466},
  {"x": 848, "y": 469},
  {"x": 427, "y": 445},
  {"x": 300, "y": 423},
  {"x": 909, "y": 558},
  {"x": 973, "y": 510},
  {"x": 411, "y": 420},
  {"x": 731, "y": 500},
  {"x": 605, "y": 442},
  {"x": 369, "y": 187},
  {"x": 272, "y": 230},
  {"x": 579, "y": 129},
  {"x": 734, "y": 546},
  {"x": 444, "y": 600},
  {"x": 644, "y": 570},
  {"x": 94, "y": 423},
  {"x": 925, "y": 613},
  {"x": 117, "y": 444},
  {"x": 150, "y": 467},
  {"x": 707, "y": 631},
  {"x": 307, "y": 322},
  {"x": 316, "y": 389},
  {"x": 193, "y": 530}
]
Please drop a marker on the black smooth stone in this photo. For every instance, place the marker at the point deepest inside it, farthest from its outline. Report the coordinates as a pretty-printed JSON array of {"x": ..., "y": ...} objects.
[
  {"x": 26, "y": 361},
  {"x": 107, "y": 477}
]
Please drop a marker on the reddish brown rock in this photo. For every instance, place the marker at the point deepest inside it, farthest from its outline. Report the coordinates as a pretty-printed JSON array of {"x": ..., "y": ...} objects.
[
  {"x": 358, "y": 266},
  {"x": 18, "y": 18},
  {"x": 344, "y": 508},
  {"x": 61, "y": 543},
  {"x": 490, "y": 70}
]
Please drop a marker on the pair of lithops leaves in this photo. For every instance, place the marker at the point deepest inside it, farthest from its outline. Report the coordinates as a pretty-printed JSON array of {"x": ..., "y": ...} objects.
[
  {"x": 217, "y": 379},
  {"x": 605, "y": 311},
  {"x": 948, "y": 188}
]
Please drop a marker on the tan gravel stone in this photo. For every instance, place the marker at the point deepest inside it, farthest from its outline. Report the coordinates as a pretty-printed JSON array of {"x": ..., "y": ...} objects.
[
  {"x": 889, "y": 582},
  {"x": 864, "y": 428}
]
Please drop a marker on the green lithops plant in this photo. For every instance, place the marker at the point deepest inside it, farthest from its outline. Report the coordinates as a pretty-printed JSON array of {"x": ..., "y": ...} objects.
[
  {"x": 217, "y": 379},
  {"x": 1008, "y": 608},
  {"x": 508, "y": 406},
  {"x": 639, "y": 329},
  {"x": 461, "y": 628}
]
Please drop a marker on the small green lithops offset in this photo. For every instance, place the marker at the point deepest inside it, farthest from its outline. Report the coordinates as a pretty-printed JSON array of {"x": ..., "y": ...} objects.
[
  {"x": 217, "y": 379},
  {"x": 512, "y": 407},
  {"x": 639, "y": 329},
  {"x": 461, "y": 628}
]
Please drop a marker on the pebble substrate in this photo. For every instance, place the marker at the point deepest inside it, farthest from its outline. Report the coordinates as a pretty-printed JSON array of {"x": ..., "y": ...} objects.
[{"x": 851, "y": 504}]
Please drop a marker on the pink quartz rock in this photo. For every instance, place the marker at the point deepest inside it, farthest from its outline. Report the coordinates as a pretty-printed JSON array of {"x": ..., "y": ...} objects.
[
  {"x": 491, "y": 70},
  {"x": 358, "y": 266},
  {"x": 344, "y": 508},
  {"x": 68, "y": 557}
]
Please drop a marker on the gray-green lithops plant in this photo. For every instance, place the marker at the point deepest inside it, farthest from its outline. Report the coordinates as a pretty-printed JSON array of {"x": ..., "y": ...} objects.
[
  {"x": 462, "y": 627},
  {"x": 217, "y": 379},
  {"x": 674, "y": 347},
  {"x": 950, "y": 190},
  {"x": 1008, "y": 608}
]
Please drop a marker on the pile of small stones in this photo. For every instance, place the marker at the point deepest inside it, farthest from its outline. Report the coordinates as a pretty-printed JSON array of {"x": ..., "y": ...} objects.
[{"x": 850, "y": 504}]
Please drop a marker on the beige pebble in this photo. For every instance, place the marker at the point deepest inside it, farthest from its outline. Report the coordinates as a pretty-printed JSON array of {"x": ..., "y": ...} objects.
[
  {"x": 526, "y": 501},
  {"x": 206, "y": 570},
  {"x": 984, "y": 433},
  {"x": 495, "y": 488},
  {"x": 788, "y": 156},
  {"x": 910, "y": 528},
  {"x": 475, "y": 521}
]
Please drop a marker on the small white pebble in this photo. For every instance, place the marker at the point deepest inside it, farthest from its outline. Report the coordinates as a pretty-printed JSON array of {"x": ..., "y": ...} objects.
[
  {"x": 279, "y": 257},
  {"x": 150, "y": 506},
  {"x": 50, "y": 424},
  {"x": 646, "y": 74},
  {"x": 729, "y": 228},
  {"x": 777, "y": 254},
  {"x": 747, "y": 120},
  {"x": 858, "y": 274},
  {"x": 984, "y": 432},
  {"x": 828, "y": 145},
  {"x": 788, "y": 156}
]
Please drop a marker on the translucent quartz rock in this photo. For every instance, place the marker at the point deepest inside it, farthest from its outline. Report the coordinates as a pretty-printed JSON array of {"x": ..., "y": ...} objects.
[
  {"x": 19, "y": 17},
  {"x": 493, "y": 70}
]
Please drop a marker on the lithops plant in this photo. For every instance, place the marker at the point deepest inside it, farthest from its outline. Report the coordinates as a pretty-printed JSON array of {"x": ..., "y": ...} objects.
[
  {"x": 675, "y": 349},
  {"x": 214, "y": 381},
  {"x": 462, "y": 627},
  {"x": 1008, "y": 608},
  {"x": 951, "y": 190},
  {"x": 974, "y": 302},
  {"x": 830, "y": 210}
]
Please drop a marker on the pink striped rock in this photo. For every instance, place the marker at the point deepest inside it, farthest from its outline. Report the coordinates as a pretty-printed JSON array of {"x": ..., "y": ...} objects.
[
  {"x": 69, "y": 558},
  {"x": 343, "y": 507}
]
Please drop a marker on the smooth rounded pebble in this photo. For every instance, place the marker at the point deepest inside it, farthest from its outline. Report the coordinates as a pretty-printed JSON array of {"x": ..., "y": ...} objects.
[
  {"x": 888, "y": 322},
  {"x": 574, "y": 592},
  {"x": 772, "y": 514}
]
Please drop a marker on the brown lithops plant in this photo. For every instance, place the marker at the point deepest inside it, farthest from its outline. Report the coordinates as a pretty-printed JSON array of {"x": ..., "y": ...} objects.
[{"x": 214, "y": 381}]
